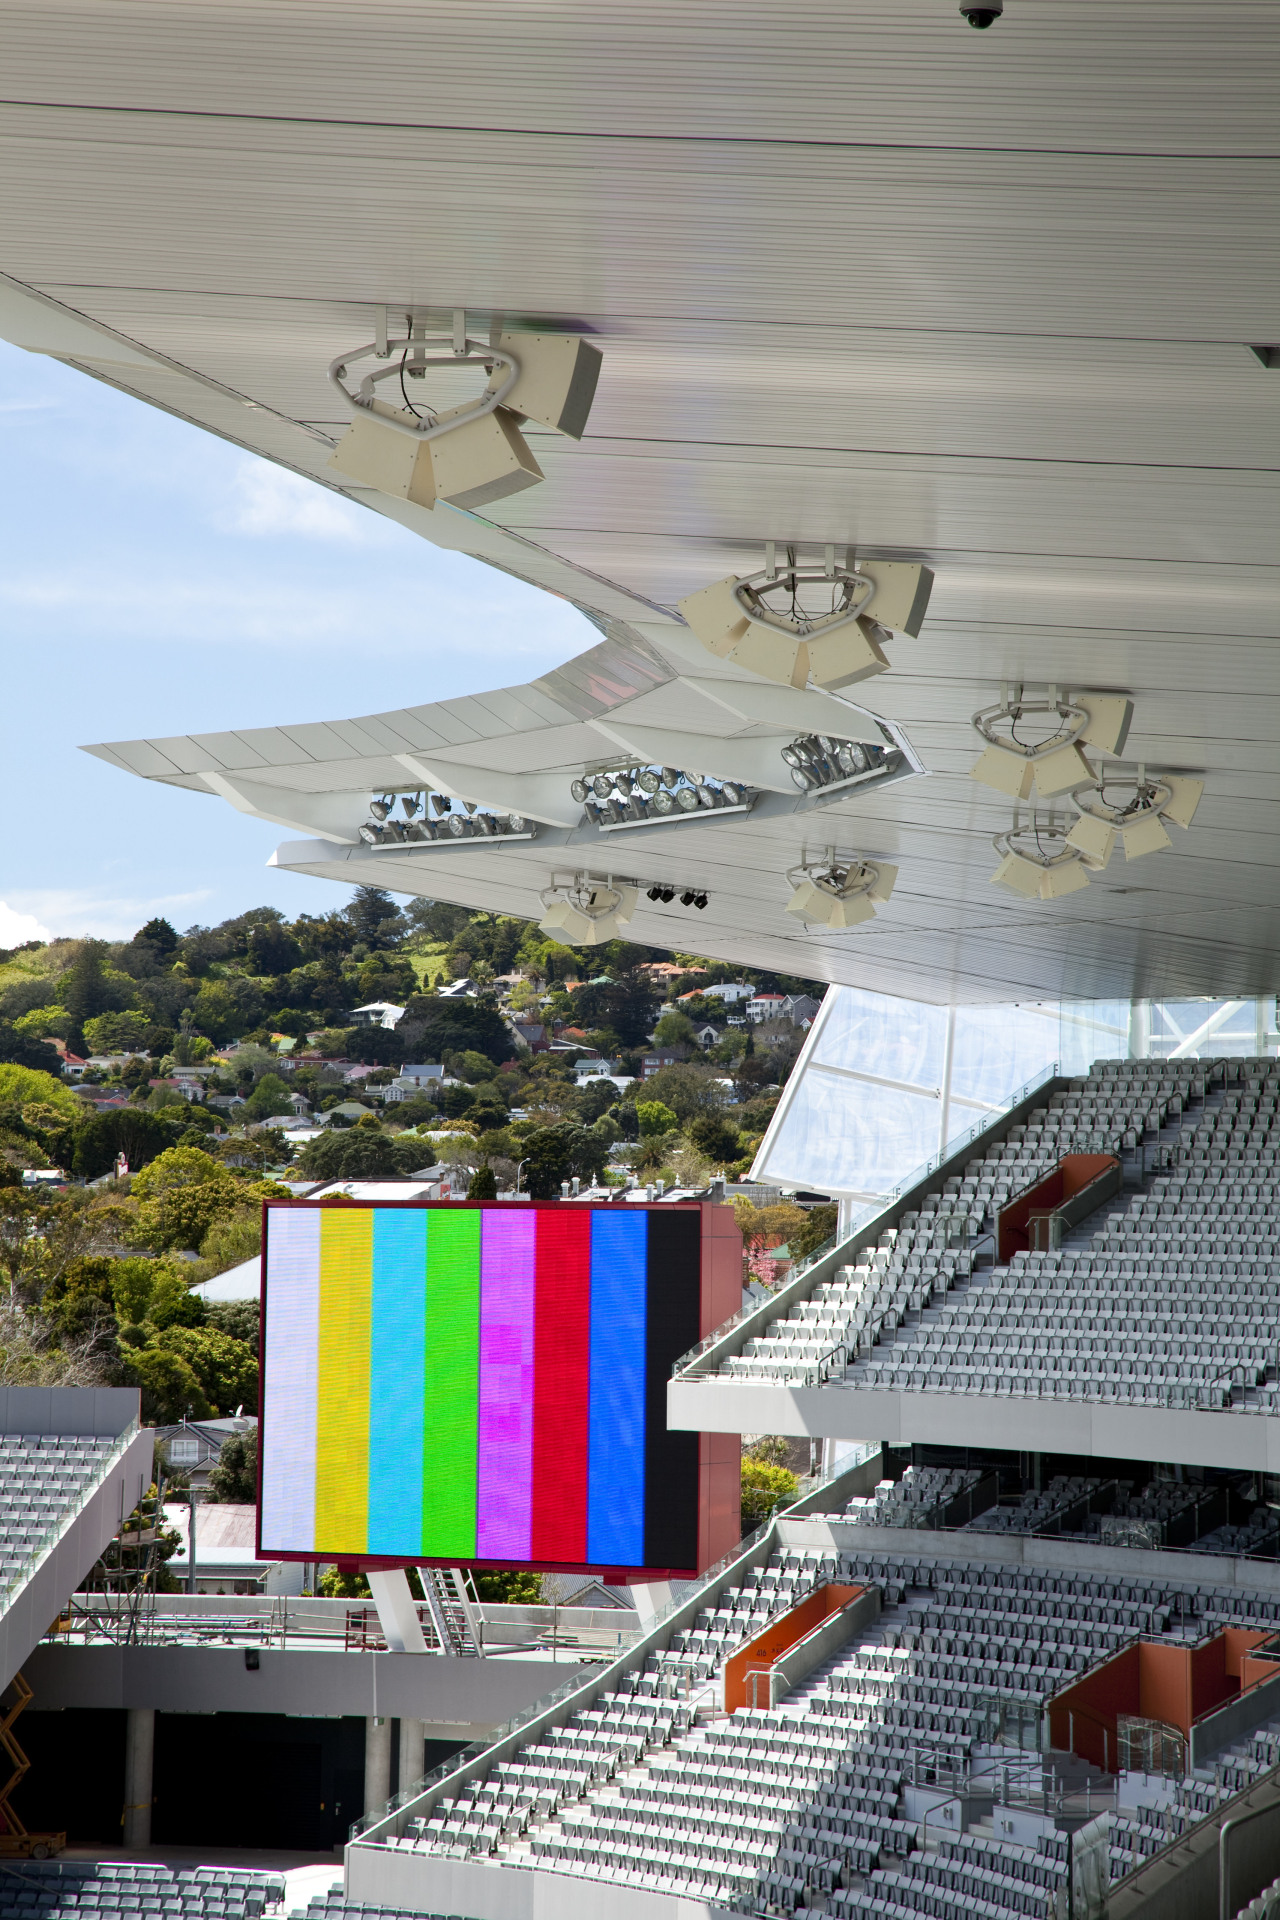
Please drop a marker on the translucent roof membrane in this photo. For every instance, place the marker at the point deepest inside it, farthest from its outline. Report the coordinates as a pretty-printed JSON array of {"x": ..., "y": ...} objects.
[{"x": 883, "y": 1085}]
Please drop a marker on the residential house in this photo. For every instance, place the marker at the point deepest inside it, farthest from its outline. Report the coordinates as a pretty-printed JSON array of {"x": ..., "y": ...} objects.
[
  {"x": 764, "y": 1006},
  {"x": 730, "y": 991},
  {"x": 531, "y": 1034},
  {"x": 659, "y": 1057},
  {"x": 803, "y": 1008},
  {"x": 194, "y": 1447},
  {"x": 707, "y": 1036},
  {"x": 411, "y": 1082},
  {"x": 378, "y": 1013}
]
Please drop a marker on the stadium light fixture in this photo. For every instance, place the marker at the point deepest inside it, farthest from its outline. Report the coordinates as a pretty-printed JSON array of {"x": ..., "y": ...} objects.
[
  {"x": 1053, "y": 762},
  {"x": 1140, "y": 820},
  {"x": 795, "y": 622},
  {"x": 470, "y": 455},
  {"x": 587, "y": 912},
  {"x": 1038, "y": 859},
  {"x": 838, "y": 893}
]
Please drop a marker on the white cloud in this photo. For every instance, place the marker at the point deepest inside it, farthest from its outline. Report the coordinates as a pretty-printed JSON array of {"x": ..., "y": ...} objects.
[
  {"x": 274, "y": 501},
  {"x": 17, "y": 928},
  {"x": 76, "y": 912}
]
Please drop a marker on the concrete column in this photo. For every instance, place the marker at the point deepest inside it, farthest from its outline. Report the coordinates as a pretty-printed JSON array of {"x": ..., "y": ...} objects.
[
  {"x": 377, "y": 1764},
  {"x": 411, "y": 1747},
  {"x": 139, "y": 1756}
]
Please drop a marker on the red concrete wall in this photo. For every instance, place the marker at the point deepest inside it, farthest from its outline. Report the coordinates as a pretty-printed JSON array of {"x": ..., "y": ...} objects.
[
  {"x": 778, "y": 1637},
  {"x": 1095, "y": 1702},
  {"x": 1063, "y": 1182},
  {"x": 719, "y": 1454},
  {"x": 1176, "y": 1684}
]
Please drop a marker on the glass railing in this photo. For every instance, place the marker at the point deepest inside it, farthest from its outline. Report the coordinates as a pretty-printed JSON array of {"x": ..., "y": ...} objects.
[
  {"x": 13, "y": 1581},
  {"x": 632, "y": 1657},
  {"x": 772, "y": 1308}
]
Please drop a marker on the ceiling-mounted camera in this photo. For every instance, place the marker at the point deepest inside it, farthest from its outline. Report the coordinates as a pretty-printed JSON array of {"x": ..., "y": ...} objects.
[{"x": 983, "y": 16}]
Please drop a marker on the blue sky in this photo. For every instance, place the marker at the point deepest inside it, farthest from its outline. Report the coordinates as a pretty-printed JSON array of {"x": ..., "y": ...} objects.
[{"x": 154, "y": 580}]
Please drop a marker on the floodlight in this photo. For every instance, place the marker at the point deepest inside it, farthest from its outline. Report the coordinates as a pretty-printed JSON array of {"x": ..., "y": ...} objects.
[
  {"x": 687, "y": 899},
  {"x": 1058, "y": 880},
  {"x": 441, "y": 802},
  {"x": 707, "y": 796},
  {"x": 1185, "y": 798},
  {"x": 578, "y": 788},
  {"x": 648, "y": 781},
  {"x": 556, "y": 382},
  {"x": 1095, "y": 840},
  {"x": 664, "y": 802},
  {"x": 733, "y": 793},
  {"x": 381, "y": 808},
  {"x": 671, "y": 776},
  {"x": 687, "y": 800},
  {"x": 1144, "y": 834},
  {"x": 1110, "y": 715},
  {"x": 459, "y": 825},
  {"x": 853, "y": 652},
  {"x": 602, "y": 786},
  {"x": 1039, "y": 860},
  {"x": 839, "y": 895},
  {"x": 1060, "y": 770},
  {"x": 370, "y": 835},
  {"x": 519, "y": 824},
  {"x": 473, "y": 454},
  {"x": 655, "y": 893},
  {"x": 410, "y": 803},
  {"x": 1007, "y": 772},
  {"x": 699, "y": 901}
]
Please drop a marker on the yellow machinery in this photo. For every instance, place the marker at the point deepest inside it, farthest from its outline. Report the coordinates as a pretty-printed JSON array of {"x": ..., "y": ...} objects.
[{"x": 15, "y": 1841}]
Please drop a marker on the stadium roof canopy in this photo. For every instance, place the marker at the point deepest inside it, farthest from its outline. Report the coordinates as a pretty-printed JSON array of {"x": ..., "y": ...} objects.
[{"x": 861, "y": 277}]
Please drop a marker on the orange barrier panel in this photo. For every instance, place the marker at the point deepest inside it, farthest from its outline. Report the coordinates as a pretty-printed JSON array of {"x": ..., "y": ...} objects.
[
  {"x": 1073, "y": 1173},
  {"x": 1175, "y": 1684},
  {"x": 762, "y": 1653}
]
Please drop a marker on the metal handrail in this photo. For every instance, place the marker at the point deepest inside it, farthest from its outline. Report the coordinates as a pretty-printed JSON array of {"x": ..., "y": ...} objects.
[{"x": 777, "y": 1304}]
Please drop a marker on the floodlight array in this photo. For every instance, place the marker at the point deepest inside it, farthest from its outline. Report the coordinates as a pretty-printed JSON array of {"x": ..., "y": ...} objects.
[
  {"x": 837, "y": 893},
  {"x": 469, "y": 455},
  {"x": 586, "y": 912},
  {"x": 631, "y": 795},
  {"x": 817, "y": 761},
  {"x": 1137, "y": 822},
  {"x": 438, "y": 817},
  {"x": 663, "y": 893},
  {"x": 1054, "y": 761},
  {"x": 792, "y": 621}
]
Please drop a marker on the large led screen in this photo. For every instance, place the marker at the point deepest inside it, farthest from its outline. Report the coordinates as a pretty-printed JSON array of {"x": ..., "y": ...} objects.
[{"x": 462, "y": 1383}]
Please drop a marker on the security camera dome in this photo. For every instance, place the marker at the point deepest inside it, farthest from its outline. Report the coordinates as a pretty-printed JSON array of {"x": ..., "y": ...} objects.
[{"x": 982, "y": 16}]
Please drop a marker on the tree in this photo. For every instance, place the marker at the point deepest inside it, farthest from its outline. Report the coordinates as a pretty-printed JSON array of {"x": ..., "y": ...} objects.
[
  {"x": 715, "y": 1138},
  {"x": 688, "y": 1087},
  {"x": 232, "y": 1239},
  {"x": 84, "y": 989},
  {"x": 183, "y": 1192},
  {"x": 20, "y": 1050},
  {"x": 224, "y": 1009},
  {"x": 271, "y": 1096},
  {"x": 433, "y": 1027},
  {"x": 558, "y": 1153},
  {"x": 820, "y": 1224},
  {"x": 508, "y": 1589},
  {"x": 272, "y": 948},
  {"x": 139, "y": 1135},
  {"x": 234, "y": 1481},
  {"x": 225, "y": 1368},
  {"x": 117, "y": 1032},
  {"x": 675, "y": 1030},
  {"x": 157, "y": 934},
  {"x": 483, "y": 1185},
  {"x": 375, "y": 1046},
  {"x": 764, "y": 1487},
  {"x": 374, "y": 918},
  {"x": 626, "y": 1007},
  {"x": 239, "y": 1318},
  {"x": 170, "y": 1388},
  {"x": 654, "y": 1118}
]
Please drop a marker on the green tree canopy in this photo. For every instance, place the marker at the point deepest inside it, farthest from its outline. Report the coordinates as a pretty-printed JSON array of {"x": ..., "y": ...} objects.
[
  {"x": 558, "y": 1153},
  {"x": 270, "y": 1097},
  {"x": 435, "y": 1027},
  {"x": 225, "y": 1368},
  {"x": 234, "y": 1481},
  {"x": 764, "y": 1487},
  {"x": 170, "y": 1387},
  {"x": 654, "y": 1117}
]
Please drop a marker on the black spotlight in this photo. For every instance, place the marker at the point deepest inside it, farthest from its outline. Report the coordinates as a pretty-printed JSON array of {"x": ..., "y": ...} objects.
[
  {"x": 699, "y": 901},
  {"x": 655, "y": 893},
  {"x": 668, "y": 895},
  {"x": 687, "y": 899}
]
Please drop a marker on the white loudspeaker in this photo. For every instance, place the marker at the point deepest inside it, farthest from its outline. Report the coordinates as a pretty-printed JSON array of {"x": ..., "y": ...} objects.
[{"x": 557, "y": 380}]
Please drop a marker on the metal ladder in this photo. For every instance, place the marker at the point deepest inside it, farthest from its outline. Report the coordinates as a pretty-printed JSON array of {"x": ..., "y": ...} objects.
[{"x": 454, "y": 1613}]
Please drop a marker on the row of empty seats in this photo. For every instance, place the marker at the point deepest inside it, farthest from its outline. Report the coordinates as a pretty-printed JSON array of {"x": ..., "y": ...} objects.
[
  {"x": 806, "y": 1804},
  {"x": 65, "y": 1888},
  {"x": 44, "y": 1479}
]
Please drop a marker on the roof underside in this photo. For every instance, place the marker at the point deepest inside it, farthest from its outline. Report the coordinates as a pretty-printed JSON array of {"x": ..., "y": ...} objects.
[{"x": 860, "y": 276}]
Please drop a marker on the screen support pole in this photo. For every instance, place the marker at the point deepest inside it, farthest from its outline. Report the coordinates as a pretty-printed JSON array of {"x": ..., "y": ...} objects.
[{"x": 397, "y": 1614}]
